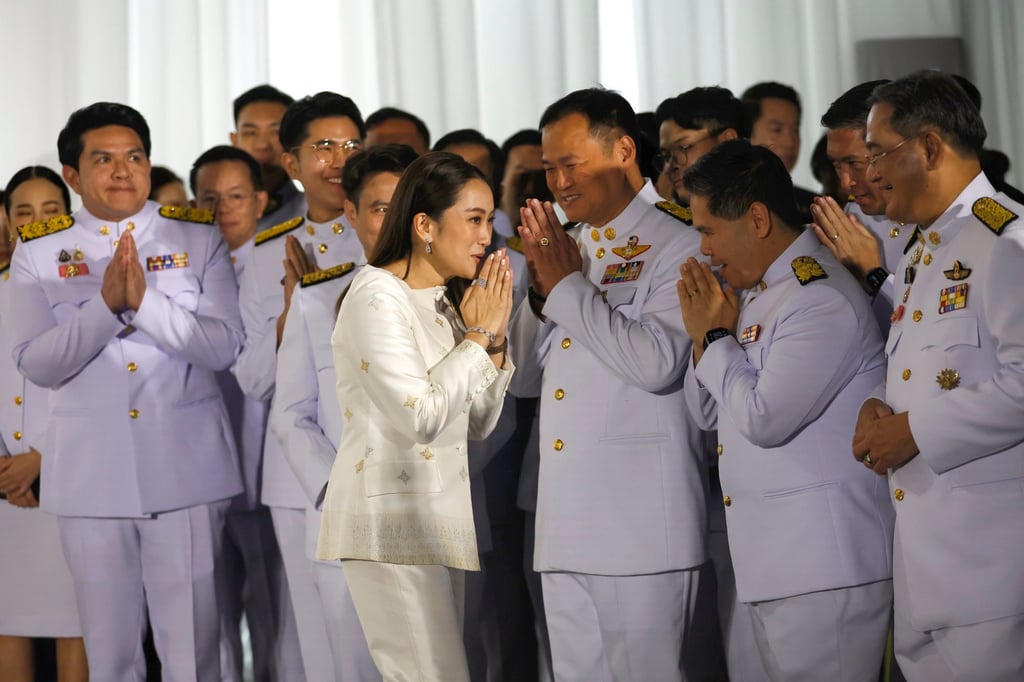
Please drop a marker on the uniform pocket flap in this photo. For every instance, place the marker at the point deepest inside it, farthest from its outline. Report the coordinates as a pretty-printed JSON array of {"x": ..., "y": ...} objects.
[{"x": 618, "y": 296}]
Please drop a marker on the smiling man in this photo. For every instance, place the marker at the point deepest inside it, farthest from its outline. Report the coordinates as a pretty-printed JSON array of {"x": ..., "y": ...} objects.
[
  {"x": 126, "y": 311},
  {"x": 318, "y": 133},
  {"x": 618, "y": 548},
  {"x": 781, "y": 375},
  {"x": 948, "y": 425}
]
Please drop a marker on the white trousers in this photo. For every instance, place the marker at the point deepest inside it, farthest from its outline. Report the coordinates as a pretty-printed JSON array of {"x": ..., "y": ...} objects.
[
  {"x": 836, "y": 635},
  {"x": 619, "y": 628},
  {"x": 412, "y": 618},
  {"x": 352, "y": 660},
  {"x": 164, "y": 562}
]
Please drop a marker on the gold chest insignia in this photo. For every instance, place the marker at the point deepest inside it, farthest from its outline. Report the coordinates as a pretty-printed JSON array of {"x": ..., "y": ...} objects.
[
  {"x": 632, "y": 249},
  {"x": 957, "y": 272},
  {"x": 948, "y": 379}
]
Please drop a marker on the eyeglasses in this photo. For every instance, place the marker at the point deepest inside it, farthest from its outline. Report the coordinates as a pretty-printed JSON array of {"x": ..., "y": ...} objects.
[
  {"x": 873, "y": 159},
  {"x": 325, "y": 151},
  {"x": 231, "y": 200},
  {"x": 678, "y": 153}
]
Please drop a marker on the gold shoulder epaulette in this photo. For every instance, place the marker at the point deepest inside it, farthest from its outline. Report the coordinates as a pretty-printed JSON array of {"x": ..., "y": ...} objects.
[
  {"x": 327, "y": 275},
  {"x": 992, "y": 214},
  {"x": 278, "y": 230},
  {"x": 190, "y": 215},
  {"x": 41, "y": 228},
  {"x": 515, "y": 243},
  {"x": 681, "y": 213},
  {"x": 915, "y": 236},
  {"x": 807, "y": 270},
  {"x": 5, "y": 265}
]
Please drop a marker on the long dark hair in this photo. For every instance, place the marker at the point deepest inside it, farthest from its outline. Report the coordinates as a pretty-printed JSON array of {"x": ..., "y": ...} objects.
[
  {"x": 430, "y": 185},
  {"x": 31, "y": 173}
]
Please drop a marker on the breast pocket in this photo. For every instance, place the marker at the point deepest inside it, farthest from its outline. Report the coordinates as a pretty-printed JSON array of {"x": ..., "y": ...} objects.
[
  {"x": 181, "y": 286},
  {"x": 620, "y": 296}
]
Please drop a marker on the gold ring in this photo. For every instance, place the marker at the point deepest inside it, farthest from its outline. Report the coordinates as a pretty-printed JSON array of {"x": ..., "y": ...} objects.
[
  {"x": 544, "y": 241},
  {"x": 835, "y": 237},
  {"x": 868, "y": 461}
]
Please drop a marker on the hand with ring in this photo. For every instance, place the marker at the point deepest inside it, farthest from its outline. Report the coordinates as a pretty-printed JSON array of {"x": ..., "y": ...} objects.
[
  {"x": 551, "y": 254},
  {"x": 854, "y": 245},
  {"x": 705, "y": 306},
  {"x": 488, "y": 303}
]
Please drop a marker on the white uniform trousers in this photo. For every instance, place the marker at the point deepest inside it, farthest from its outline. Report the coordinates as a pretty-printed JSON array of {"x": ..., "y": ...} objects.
[
  {"x": 533, "y": 585},
  {"x": 352, "y": 659},
  {"x": 991, "y": 651},
  {"x": 165, "y": 562},
  {"x": 252, "y": 583},
  {"x": 836, "y": 635},
  {"x": 412, "y": 618},
  {"x": 307, "y": 606},
  {"x": 619, "y": 628}
]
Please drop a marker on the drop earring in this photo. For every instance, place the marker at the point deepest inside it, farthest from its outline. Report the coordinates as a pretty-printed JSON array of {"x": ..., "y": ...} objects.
[{"x": 428, "y": 249}]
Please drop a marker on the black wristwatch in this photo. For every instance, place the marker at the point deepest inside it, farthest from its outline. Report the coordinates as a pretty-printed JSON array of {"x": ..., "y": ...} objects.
[
  {"x": 713, "y": 335},
  {"x": 874, "y": 280}
]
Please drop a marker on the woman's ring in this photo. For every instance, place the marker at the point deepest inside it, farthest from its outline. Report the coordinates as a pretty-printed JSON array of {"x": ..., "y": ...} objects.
[{"x": 481, "y": 282}]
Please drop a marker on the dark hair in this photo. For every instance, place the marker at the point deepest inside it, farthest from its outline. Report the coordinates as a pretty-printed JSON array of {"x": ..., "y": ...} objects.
[
  {"x": 99, "y": 115},
  {"x": 931, "y": 99},
  {"x": 363, "y": 165},
  {"x": 850, "y": 109},
  {"x": 31, "y": 173},
  {"x": 261, "y": 93},
  {"x": 160, "y": 176},
  {"x": 430, "y": 185},
  {"x": 607, "y": 112},
  {"x": 471, "y": 136},
  {"x": 295, "y": 124},
  {"x": 753, "y": 95},
  {"x": 647, "y": 148},
  {"x": 528, "y": 137},
  {"x": 735, "y": 174},
  {"x": 390, "y": 113},
  {"x": 973, "y": 93},
  {"x": 713, "y": 107},
  {"x": 223, "y": 152}
]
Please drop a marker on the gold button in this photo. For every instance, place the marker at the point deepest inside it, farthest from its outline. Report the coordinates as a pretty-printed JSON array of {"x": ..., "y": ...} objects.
[
  {"x": 599, "y": 253},
  {"x": 559, "y": 394},
  {"x": 116, "y": 242},
  {"x": 130, "y": 227},
  {"x": 17, "y": 435},
  {"x": 133, "y": 413},
  {"x": 18, "y": 400},
  {"x": 132, "y": 367},
  {"x": 894, "y": 232},
  {"x": 322, "y": 248},
  {"x": 918, "y": 315},
  {"x": 906, "y": 374},
  {"x": 726, "y": 500},
  {"x": 595, "y": 235},
  {"x": 719, "y": 449},
  {"x": 337, "y": 228},
  {"x": 310, "y": 229},
  {"x": 566, "y": 342},
  {"x": 898, "y": 494},
  {"x": 558, "y": 445},
  {"x": 609, "y": 233},
  {"x": 104, "y": 230},
  {"x": 927, "y": 259}
]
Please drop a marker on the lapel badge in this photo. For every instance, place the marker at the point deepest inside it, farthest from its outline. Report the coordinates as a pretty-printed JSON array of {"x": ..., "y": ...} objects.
[
  {"x": 948, "y": 379},
  {"x": 64, "y": 256},
  {"x": 168, "y": 261},
  {"x": 78, "y": 255},
  {"x": 750, "y": 334},
  {"x": 622, "y": 272},
  {"x": 632, "y": 249},
  {"x": 70, "y": 270},
  {"x": 897, "y": 314},
  {"x": 934, "y": 238},
  {"x": 957, "y": 272},
  {"x": 953, "y": 298}
]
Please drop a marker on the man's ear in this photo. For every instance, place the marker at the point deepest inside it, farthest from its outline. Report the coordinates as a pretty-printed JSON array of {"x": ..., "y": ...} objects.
[
  {"x": 290, "y": 163},
  {"x": 934, "y": 149},
  {"x": 74, "y": 180},
  {"x": 762, "y": 219}
]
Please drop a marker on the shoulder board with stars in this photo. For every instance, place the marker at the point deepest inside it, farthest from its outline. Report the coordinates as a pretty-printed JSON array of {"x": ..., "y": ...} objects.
[
  {"x": 915, "y": 236},
  {"x": 189, "y": 215},
  {"x": 681, "y": 213},
  {"x": 278, "y": 230},
  {"x": 327, "y": 275},
  {"x": 992, "y": 214},
  {"x": 515, "y": 243},
  {"x": 42, "y": 228},
  {"x": 807, "y": 270}
]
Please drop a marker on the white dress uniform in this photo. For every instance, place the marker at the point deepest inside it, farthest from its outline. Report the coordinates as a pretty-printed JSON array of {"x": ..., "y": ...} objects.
[
  {"x": 37, "y": 596},
  {"x": 620, "y": 526},
  {"x": 810, "y": 528},
  {"x": 410, "y": 391},
  {"x": 252, "y": 579},
  {"x": 284, "y": 204},
  {"x": 139, "y": 456},
  {"x": 261, "y": 296},
  {"x": 956, "y": 364},
  {"x": 307, "y": 423}
]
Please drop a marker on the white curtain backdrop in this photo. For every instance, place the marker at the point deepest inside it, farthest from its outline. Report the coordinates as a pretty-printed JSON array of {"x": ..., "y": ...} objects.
[{"x": 488, "y": 64}]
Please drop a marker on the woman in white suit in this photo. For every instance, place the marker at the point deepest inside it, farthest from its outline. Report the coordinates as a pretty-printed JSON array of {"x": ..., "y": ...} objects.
[{"x": 421, "y": 363}]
